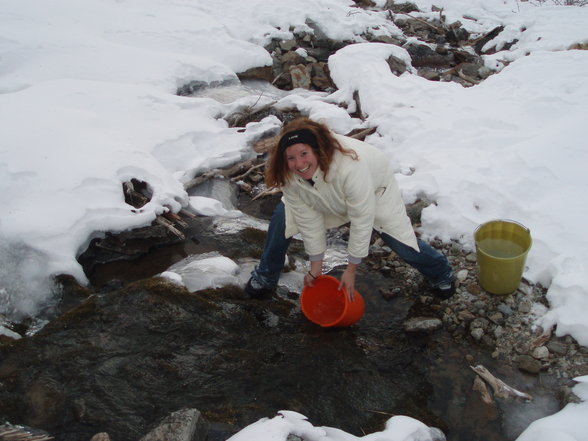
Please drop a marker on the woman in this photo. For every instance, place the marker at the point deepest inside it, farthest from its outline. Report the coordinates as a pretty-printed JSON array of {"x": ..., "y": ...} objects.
[{"x": 328, "y": 180}]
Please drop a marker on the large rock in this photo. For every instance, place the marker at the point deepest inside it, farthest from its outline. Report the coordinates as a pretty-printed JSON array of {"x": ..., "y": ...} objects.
[{"x": 122, "y": 361}]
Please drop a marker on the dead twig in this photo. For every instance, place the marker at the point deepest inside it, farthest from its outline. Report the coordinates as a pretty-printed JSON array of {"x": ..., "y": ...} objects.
[
  {"x": 268, "y": 192},
  {"x": 170, "y": 227},
  {"x": 174, "y": 218}
]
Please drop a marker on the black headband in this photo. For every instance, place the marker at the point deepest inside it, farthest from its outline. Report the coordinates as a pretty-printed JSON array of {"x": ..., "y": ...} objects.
[{"x": 301, "y": 136}]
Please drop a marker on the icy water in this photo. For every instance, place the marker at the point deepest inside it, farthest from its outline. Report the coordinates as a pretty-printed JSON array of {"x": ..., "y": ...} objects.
[{"x": 426, "y": 376}]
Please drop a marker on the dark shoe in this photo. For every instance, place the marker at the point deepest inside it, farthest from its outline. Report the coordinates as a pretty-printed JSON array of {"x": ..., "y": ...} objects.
[
  {"x": 256, "y": 290},
  {"x": 444, "y": 290}
]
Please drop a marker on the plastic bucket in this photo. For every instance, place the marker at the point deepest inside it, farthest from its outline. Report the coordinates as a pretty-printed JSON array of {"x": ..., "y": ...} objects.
[
  {"x": 325, "y": 305},
  {"x": 501, "y": 249}
]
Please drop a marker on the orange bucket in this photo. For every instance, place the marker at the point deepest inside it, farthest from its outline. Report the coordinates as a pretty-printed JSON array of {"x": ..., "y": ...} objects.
[{"x": 325, "y": 305}]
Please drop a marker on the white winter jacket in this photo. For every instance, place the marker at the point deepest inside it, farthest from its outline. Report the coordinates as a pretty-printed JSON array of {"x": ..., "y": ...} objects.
[{"x": 363, "y": 192}]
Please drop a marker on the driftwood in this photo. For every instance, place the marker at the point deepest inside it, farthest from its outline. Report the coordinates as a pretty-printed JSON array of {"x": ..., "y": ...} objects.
[
  {"x": 480, "y": 386},
  {"x": 499, "y": 387}
]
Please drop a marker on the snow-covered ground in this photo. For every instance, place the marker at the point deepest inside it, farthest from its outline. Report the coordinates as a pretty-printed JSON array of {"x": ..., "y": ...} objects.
[{"x": 87, "y": 102}]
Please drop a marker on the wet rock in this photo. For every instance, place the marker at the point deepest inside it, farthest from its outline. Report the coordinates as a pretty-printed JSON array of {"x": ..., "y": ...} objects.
[
  {"x": 401, "y": 7},
  {"x": 557, "y": 347},
  {"x": 397, "y": 66},
  {"x": 480, "y": 44},
  {"x": 182, "y": 425},
  {"x": 477, "y": 333},
  {"x": 528, "y": 364},
  {"x": 108, "y": 362},
  {"x": 300, "y": 75},
  {"x": 262, "y": 73},
  {"x": 423, "y": 56}
]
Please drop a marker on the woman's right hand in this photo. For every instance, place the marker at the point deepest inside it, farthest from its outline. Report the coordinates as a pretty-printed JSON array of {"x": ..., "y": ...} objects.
[{"x": 316, "y": 269}]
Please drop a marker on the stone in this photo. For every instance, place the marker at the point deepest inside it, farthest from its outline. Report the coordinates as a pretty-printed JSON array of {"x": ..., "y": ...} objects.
[
  {"x": 321, "y": 77},
  {"x": 102, "y": 436},
  {"x": 528, "y": 364},
  {"x": 300, "y": 76},
  {"x": 264, "y": 73},
  {"x": 183, "y": 425},
  {"x": 557, "y": 347},
  {"x": 423, "y": 56},
  {"x": 397, "y": 66},
  {"x": 422, "y": 324},
  {"x": 462, "y": 275},
  {"x": 477, "y": 333},
  {"x": 525, "y": 306},
  {"x": 288, "y": 45},
  {"x": 540, "y": 353},
  {"x": 471, "y": 257}
]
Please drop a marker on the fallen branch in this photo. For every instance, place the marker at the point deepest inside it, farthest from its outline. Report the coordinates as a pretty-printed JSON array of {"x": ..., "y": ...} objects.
[{"x": 500, "y": 388}]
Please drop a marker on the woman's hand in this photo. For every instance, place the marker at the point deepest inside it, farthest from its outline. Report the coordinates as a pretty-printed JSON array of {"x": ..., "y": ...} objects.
[
  {"x": 348, "y": 281},
  {"x": 316, "y": 269}
]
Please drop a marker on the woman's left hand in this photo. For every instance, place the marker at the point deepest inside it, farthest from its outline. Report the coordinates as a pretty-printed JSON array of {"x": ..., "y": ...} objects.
[{"x": 348, "y": 281}]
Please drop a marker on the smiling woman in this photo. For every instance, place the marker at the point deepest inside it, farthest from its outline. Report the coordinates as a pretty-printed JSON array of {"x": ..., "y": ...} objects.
[{"x": 329, "y": 180}]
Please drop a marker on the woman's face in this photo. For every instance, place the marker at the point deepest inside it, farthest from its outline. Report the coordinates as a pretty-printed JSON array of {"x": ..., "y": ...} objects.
[{"x": 301, "y": 160}]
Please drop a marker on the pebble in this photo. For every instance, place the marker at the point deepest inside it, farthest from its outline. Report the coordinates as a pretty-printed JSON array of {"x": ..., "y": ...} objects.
[
  {"x": 477, "y": 333},
  {"x": 462, "y": 275},
  {"x": 557, "y": 347},
  {"x": 540, "y": 353},
  {"x": 529, "y": 364}
]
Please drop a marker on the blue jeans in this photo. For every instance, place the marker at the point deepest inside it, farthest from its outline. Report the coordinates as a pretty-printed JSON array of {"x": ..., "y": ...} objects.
[{"x": 431, "y": 263}]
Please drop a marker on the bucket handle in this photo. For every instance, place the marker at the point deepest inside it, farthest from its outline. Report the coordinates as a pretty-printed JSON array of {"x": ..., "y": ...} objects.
[{"x": 505, "y": 220}]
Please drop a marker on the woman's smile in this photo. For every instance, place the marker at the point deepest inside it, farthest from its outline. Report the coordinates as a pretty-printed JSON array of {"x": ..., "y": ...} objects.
[{"x": 301, "y": 160}]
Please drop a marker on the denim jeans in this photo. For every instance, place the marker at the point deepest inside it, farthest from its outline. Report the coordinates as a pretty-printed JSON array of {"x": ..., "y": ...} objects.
[{"x": 431, "y": 263}]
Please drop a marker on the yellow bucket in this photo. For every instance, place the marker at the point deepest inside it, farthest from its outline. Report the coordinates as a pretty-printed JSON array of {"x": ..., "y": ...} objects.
[{"x": 501, "y": 250}]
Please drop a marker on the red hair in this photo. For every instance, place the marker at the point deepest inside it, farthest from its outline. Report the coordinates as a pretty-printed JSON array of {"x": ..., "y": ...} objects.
[{"x": 277, "y": 173}]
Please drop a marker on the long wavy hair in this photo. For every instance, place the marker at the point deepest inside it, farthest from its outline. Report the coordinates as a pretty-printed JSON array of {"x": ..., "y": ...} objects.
[{"x": 277, "y": 173}]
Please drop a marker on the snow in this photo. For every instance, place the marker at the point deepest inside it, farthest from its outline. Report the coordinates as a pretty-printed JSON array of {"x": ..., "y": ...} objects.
[{"x": 88, "y": 101}]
